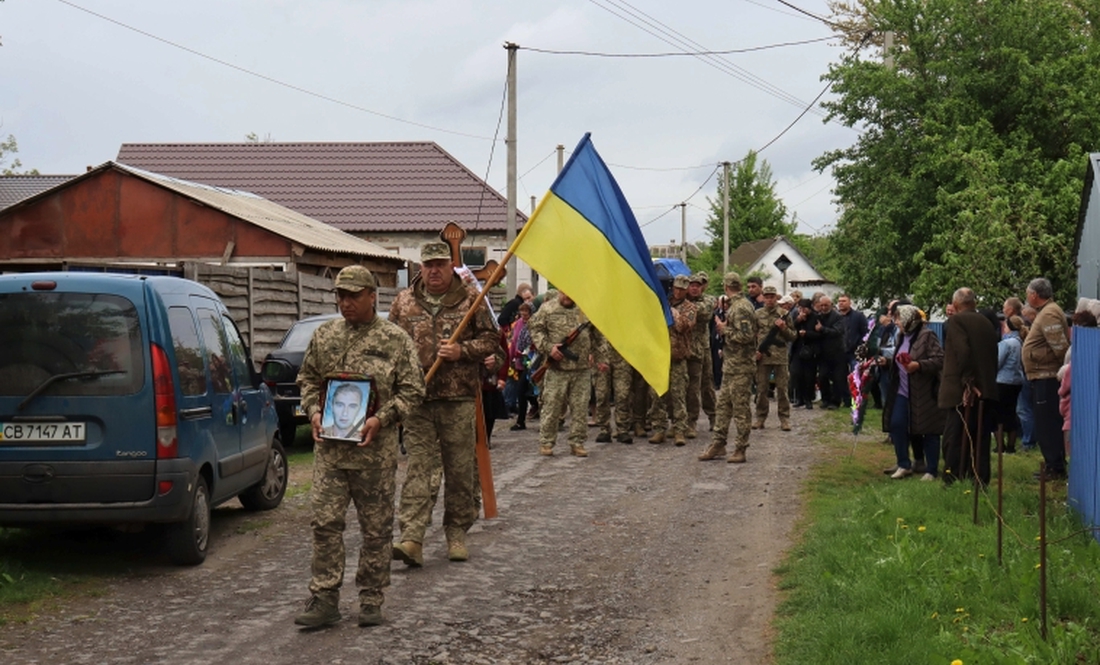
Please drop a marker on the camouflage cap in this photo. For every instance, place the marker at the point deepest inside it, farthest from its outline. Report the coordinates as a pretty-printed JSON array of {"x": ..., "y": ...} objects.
[
  {"x": 698, "y": 278},
  {"x": 731, "y": 279},
  {"x": 355, "y": 279},
  {"x": 434, "y": 250},
  {"x": 770, "y": 291},
  {"x": 680, "y": 282}
]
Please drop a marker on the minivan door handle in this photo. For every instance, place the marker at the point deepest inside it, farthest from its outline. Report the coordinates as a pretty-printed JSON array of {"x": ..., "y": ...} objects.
[{"x": 196, "y": 413}]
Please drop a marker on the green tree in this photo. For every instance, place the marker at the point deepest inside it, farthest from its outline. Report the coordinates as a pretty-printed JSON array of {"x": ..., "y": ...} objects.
[
  {"x": 755, "y": 210},
  {"x": 10, "y": 147},
  {"x": 969, "y": 167}
]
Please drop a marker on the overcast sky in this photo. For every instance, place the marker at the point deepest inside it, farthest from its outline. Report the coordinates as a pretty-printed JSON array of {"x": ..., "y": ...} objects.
[{"x": 76, "y": 86}]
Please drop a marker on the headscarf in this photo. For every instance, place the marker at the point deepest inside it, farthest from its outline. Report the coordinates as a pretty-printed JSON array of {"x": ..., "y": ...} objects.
[{"x": 909, "y": 319}]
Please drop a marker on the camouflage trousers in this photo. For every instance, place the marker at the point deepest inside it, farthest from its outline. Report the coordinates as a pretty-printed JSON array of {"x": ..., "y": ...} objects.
[
  {"x": 675, "y": 400},
  {"x": 563, "y": 389},
  {"x": 371, "y": 490},
  {"x": 639, "y": 399},
  {"x": 439, "y": 434},
  {"x": 700, "y": 390},
  {"x": 615, "y": 384},
  {"x": 734, "y": 403},
  {"x": 782, "y": 376}
]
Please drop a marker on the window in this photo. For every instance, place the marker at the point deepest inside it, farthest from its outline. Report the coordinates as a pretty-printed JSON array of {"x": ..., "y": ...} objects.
[
  {"x": 474, "y": 257},
  {"x": 221, "y": 372},
  {"x": 47, "y": 334},
  {"x": 185, "y": 340}
]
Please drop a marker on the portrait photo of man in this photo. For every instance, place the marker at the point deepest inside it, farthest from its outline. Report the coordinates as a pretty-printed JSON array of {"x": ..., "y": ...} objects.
[{"x": 345, "y": 410}]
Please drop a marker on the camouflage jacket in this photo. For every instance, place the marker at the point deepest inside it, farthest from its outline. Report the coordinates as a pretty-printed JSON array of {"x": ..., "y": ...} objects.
[
  {"x": 739, "y": 336},
  {"x": 553, "y": 323},
  {"x": 700, "y": 334},
  {"x": 413, "y": 312},
  {"x": 378, "y": 349},
  {"x": 680, "y": 333},
  {"x": 765, "y": 319}
]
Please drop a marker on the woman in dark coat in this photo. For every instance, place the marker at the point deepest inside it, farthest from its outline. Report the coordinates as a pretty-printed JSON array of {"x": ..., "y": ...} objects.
[{"x": 911, "y": 408}]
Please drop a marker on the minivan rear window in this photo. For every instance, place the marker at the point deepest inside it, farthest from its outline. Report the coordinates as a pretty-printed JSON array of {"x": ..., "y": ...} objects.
[{"x": 43, "y": 335}]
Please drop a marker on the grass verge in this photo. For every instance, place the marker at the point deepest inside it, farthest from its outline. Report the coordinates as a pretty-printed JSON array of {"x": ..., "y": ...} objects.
[{"x": 888, "y": 571}]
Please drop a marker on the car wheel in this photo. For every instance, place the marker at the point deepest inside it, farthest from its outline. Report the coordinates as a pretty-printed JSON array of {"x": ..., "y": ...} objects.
[
  {"x": 268, "y": 493},
  {"x": 188, "y": 540}
]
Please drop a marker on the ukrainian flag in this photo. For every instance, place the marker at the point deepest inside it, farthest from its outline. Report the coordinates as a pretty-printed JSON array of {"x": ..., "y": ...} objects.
[{"x": 584, "y": 239}]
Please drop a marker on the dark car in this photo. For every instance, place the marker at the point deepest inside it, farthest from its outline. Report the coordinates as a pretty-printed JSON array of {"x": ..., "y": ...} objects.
[
  {"x": 280, "y": 373},
  {"x": 129, "y": 400}
]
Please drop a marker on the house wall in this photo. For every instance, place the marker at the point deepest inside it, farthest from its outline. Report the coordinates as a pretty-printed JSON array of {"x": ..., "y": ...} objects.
[{"x": 800, "y": 275}]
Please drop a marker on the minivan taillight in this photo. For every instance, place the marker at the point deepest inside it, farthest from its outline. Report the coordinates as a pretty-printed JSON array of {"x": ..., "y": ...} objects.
[{"x": 164, "y": 392}]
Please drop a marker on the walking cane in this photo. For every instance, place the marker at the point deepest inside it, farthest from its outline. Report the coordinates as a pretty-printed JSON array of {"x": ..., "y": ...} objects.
[{"x": 978, "y": 436}]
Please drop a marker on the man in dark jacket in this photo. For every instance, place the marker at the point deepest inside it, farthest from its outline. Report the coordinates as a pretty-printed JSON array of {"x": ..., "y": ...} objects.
[
  {"x": 832, "y": 374},
  {"x": 510, "y": 311},
  {"x": 968, "y": 388}
]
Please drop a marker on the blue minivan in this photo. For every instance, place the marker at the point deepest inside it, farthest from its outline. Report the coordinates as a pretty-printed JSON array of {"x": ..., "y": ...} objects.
[{"x": 130, "y": 399}]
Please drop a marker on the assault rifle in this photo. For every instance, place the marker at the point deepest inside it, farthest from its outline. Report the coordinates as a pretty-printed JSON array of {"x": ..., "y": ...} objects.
[
  {"x": 770, "y": 340},
  {"x": 564, "y": 348}
]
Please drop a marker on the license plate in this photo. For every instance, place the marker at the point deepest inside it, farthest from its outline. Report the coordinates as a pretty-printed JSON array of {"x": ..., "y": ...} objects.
[
  {"x": 41, "y": 432},
  {"x": 298, "y": 411}
]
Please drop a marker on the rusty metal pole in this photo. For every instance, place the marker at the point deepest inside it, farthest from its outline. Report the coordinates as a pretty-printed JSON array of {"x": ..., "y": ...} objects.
[
  {"x": 1043, "y": 549},
  {"x": 978, "y": 439}
]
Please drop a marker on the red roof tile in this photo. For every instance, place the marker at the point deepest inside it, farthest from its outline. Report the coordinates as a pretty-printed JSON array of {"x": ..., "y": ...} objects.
[{"x": 356, "y": 187}]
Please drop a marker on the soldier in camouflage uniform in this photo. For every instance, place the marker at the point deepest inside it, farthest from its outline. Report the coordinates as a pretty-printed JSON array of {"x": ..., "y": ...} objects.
[
  {"x": 441, "y": 431},
  {"x": 773, "y": 361},
  {"x": 566, "y": 382},
  {"x": 361, "y": 344},
  {"x": 738, "y": 334},
  {"x": 700, "y": 390},
  {"x": 613, "y": 382},
  {"x": 683, "y": 321}
]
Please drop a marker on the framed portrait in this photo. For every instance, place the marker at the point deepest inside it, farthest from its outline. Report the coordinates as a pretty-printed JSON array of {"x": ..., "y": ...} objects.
[{"x": 347, "y": 406}]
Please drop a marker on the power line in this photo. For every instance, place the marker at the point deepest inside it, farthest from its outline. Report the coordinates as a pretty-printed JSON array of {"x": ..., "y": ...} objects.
[
  {"x": 669, "y": 35},
  {"x": 492, "y": 150},
  {"x": 659, "y": 216},
  {"x": 675, "y": 54},
  {"x": 270, "y": 79},
  {"x": 813, "y": 16}
]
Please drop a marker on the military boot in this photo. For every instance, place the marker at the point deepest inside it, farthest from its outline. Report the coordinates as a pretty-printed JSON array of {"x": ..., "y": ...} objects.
[
  {"x": 546, "y": 451},
  {"x": 785, "y": 425},
  {"x": 625, "y": 437},
  {"x": 758, "y": 424},
  {"x": 679, "y": 440},
  {"x": 603, "y": 437},
  {"x": 713, "y": 452},
  {"x": 318, "y": 613},
  {"x": 409, "y": 553},
  {"x": 658, "y": 436},
  {"x": 578, "y": 450},
  {"x": 456, "y": 545},
  {"x": 370, "y": 615},
  {"x": 639, "y": 430},
  {"x": 738, "y": 456},
  {"x": 691, "y": 433}
]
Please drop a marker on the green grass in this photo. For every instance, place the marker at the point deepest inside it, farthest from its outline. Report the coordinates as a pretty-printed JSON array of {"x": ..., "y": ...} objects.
[{"x": 888, "y": 571}]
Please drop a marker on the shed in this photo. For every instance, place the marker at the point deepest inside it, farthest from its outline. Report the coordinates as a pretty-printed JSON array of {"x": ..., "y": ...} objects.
[
  {"x": 1086, "y": 246},
  {"x": 767, "y": 257}
]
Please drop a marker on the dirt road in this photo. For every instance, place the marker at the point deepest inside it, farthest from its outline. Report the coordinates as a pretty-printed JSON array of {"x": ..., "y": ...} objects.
[{"x": 637, "y": 554}]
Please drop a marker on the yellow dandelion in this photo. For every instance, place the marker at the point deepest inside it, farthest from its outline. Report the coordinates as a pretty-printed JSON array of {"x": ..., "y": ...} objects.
[
  {"x": 966, "y": 492},
  {"x": 1024, "y": 620},
  {"x": 1038, "y": 566},
  {"x": 966, "y": 629},
  {"x": 890, "y": 537},
  {"x": 981, "y": 556},
  {"x": 905, "y": 526},
  {"x": 959, "y": 610},
  {"x": 900, "y": 520},
  {"x": 935, "y": 615},
  {"x": 1038, "y": 538},
  {"x": 956, "y": 662},
  {"x": 921, "y": 528}
]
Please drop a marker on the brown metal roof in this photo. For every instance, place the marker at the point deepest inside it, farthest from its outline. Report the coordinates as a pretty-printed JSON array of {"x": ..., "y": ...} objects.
[
  {"x": 15, "y": 188},
  {"x": 356, "y": 187}
]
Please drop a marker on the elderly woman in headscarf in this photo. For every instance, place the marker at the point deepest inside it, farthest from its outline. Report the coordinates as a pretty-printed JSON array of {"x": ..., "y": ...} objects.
[{"x": 911, "y": 408}]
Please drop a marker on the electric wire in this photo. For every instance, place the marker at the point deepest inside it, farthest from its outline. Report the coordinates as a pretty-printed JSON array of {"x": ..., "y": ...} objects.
[
  {"x": 492, "y": 150},
  {"x": 824, "y": 20},
  {"x": 674, "y": 54},
  {"x": 678, "y": 40},
  {"x": 270, "y": 79}
]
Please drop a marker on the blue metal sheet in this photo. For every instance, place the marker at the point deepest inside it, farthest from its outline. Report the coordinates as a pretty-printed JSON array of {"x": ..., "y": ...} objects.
[{"x": 1084, "y": 466}]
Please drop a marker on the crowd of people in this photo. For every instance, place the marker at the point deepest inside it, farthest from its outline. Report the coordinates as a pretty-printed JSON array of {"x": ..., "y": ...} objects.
[{"x": 993, "y": 374}]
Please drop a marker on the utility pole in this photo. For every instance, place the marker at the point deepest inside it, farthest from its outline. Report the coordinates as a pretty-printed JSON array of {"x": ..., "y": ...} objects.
[
  {"x": 888, "y": 50},
  {"x": 534, "y": 275},
  {"x": 684, "y": 232},
  {"x": 511, "y": 142},
  {"x": 561, "y": 157},
  {"x": 725, "y": 217}
]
